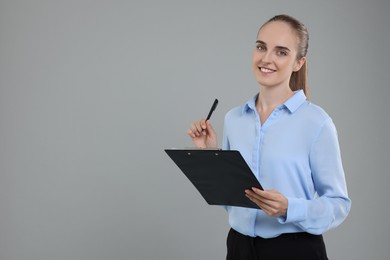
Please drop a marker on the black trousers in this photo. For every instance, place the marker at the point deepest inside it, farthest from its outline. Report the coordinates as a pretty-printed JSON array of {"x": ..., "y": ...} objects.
[{"x": 295, "y": 246}]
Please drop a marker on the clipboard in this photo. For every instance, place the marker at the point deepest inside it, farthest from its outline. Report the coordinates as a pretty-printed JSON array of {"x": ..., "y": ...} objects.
[{"x": 220, "y": 176}]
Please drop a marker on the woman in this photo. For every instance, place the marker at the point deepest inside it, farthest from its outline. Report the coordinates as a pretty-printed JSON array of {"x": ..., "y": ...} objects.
[{"x": 292, "y": 148}]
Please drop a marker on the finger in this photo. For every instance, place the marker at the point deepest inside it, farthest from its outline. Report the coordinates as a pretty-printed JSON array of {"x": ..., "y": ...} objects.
[
  {"x": 260, "y": 200},
  {"x": 210, "y": 129},
  {"x": 200, "y": 126},
  {"x": 267, "y": 194},
  {"x": 268, "y": 208},
  {"x": 203, "y": 124},
  {"x": 271, "y": 211},
  {"x": 204, "y": 127},
  {"x": 191, "y": 133},
  {"x": 254, "y": 198},
  {"x": 251, "y": 194},
  {"x": 209, "y": 125},
  {"x": 196, "y": 129},
  {"x": 256, "y": 193}
]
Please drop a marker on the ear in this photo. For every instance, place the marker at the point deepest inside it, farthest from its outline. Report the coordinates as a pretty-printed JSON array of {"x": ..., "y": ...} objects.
[{"x": 299, "y": 63}]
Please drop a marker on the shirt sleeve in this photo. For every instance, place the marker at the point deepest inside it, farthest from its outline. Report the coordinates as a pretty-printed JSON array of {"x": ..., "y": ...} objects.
[
  {"x": 332, "y": 205},
  {"x": 225, "y": 140}
]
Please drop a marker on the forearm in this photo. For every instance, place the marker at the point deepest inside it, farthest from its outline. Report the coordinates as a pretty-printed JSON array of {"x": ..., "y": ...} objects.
[{"x": 318, "y": 215}]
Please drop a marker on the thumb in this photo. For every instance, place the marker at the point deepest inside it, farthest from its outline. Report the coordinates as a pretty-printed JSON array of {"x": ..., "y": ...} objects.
[{"x": 210, "y": 128}]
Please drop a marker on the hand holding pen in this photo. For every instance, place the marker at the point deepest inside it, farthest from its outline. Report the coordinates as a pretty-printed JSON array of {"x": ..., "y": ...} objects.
[{"x": 202, "y": 132}]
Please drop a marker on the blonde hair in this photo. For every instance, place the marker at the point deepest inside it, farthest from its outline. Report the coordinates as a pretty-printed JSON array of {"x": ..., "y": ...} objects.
[{"x": 298, "y": 79}]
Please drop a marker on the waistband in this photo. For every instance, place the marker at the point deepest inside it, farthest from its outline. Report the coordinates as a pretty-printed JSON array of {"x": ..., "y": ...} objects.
[{"x": 285, "y": 236}]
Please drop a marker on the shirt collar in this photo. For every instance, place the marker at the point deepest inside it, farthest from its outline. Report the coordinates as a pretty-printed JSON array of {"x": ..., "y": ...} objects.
[{"x": 291, "y": 104}]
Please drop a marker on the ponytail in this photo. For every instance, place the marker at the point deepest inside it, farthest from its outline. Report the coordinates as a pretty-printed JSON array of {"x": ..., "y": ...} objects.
[{"x": 298, "y": 80}]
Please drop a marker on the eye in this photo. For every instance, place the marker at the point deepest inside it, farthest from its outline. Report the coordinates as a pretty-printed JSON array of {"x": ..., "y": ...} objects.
[
  {"x": 261, "y": 47},
  {"x": 282, "y": 53}
]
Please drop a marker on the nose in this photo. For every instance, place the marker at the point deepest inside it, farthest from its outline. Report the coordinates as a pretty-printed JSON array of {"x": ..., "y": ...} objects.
[{"x": 266, "y": 58}]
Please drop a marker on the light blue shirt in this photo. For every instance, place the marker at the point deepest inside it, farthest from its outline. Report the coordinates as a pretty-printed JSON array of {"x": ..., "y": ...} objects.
[{"x": 296, "y": 152}]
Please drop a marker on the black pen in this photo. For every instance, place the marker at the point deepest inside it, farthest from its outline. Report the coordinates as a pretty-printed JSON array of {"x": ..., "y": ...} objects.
[{"x": 214, "y": 106}]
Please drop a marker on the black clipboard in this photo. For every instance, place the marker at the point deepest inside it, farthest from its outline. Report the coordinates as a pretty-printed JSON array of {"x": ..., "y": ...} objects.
[{"x": 221, "y": 176}]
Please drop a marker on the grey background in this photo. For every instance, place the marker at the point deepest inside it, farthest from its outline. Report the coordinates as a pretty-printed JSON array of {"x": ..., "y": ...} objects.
[{"x": 91, "y": 92}]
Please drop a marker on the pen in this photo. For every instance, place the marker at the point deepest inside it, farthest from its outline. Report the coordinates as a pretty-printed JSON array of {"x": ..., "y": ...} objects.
[{"x": 213, "y": 107}]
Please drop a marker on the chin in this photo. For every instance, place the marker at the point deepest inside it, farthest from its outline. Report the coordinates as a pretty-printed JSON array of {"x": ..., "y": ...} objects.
[{"x": 265, "y": 82}]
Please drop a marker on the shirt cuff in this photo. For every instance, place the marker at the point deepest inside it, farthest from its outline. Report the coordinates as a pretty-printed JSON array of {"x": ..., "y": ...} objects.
[{"x": 296, "y": 211}]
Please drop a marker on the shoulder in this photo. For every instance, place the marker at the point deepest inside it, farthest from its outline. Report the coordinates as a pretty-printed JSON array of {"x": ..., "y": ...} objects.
[
  {"x": 235, "y": 112},
  {"x": 241, "y": 110},
  {"x": 314, "y": 113},
  {"x": 314, "y": 121}
]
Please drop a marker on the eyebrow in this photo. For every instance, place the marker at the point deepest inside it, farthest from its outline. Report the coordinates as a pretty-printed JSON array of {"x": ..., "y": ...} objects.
[{"x": 278, "y": 47}]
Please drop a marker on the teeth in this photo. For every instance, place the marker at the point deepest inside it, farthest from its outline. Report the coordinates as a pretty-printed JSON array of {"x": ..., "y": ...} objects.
[{"x": 266, "y": 70}]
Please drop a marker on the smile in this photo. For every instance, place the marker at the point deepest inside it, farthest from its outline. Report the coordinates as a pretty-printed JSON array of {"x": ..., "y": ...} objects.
[{"x": 266, "y": 70}]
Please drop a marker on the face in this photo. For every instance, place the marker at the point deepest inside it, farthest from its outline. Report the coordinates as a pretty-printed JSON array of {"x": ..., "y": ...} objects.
[{"x": 275, "y": 55}]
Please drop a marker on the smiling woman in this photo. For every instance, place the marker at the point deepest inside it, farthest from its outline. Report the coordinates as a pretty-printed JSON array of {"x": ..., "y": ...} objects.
[
  {"x": 292, "y": 149},
  {"x": 278, "y": 29}
]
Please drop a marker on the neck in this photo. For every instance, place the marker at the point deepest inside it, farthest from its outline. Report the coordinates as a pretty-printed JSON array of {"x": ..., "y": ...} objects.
[{"x": 270, "y": 98}]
